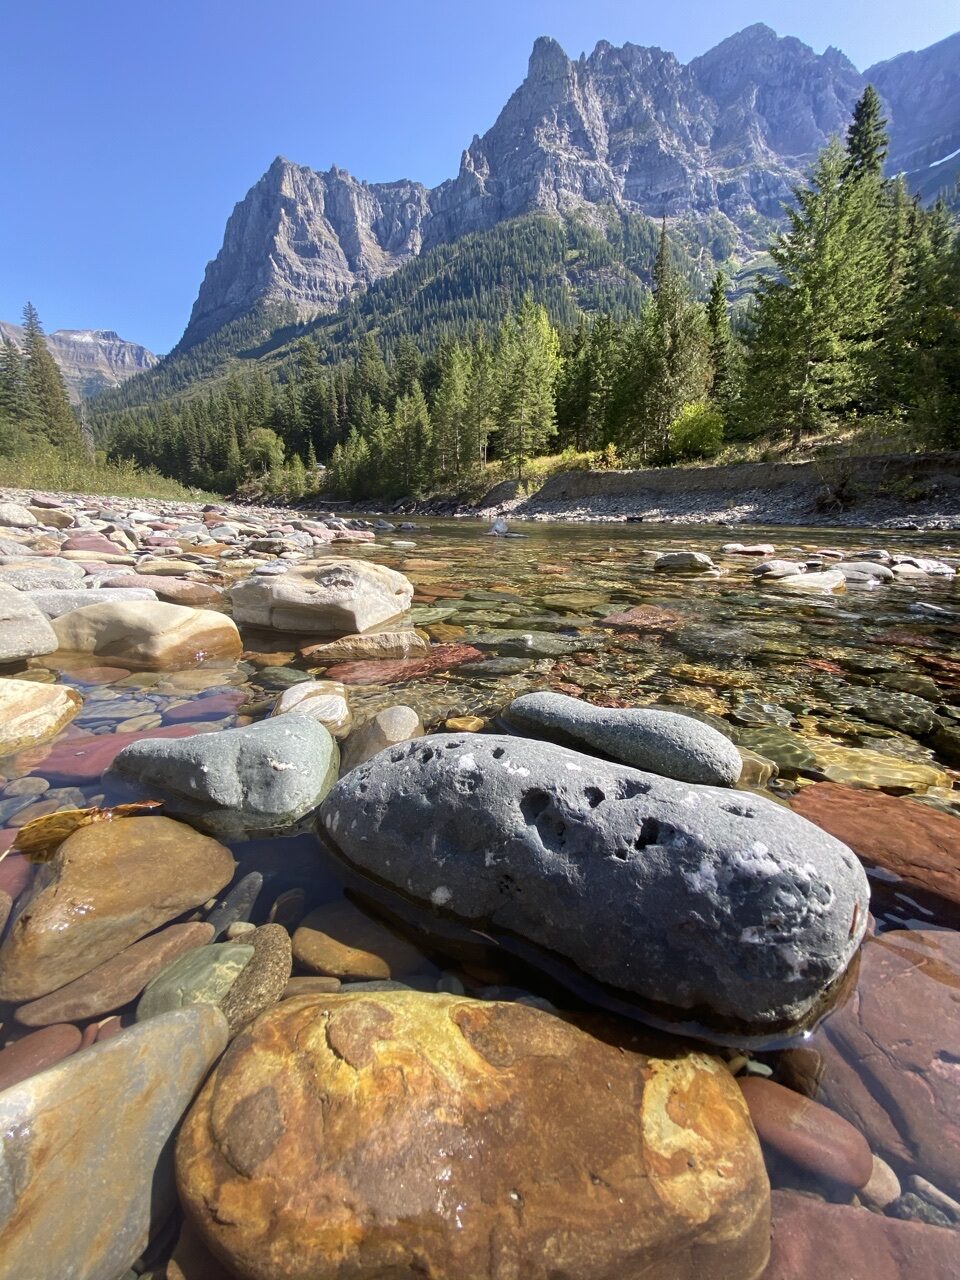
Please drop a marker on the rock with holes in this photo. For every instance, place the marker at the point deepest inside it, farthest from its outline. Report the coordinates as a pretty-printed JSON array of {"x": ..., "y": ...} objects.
[
  {"x": 400, "y": 1134},
  {"x": 719, "y": 905},
  {"x": 660, "y": 741}
]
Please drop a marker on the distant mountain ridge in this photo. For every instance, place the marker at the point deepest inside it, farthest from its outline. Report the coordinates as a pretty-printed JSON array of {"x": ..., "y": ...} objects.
[
  {"x": 91, "y": 360},
  {"x": 722, "y": 139}
]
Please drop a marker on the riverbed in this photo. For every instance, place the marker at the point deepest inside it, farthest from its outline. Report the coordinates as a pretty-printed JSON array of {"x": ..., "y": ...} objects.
[{"x": 844, "y": 702}]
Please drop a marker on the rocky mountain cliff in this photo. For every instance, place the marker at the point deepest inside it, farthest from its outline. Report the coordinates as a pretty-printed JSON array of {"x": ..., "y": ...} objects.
[
  {"x": 91, "y": 360},
  {"x": 723, "y": 139}
]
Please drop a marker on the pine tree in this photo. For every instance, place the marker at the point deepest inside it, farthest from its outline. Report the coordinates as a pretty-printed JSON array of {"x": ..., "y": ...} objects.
[
  {"x": 529, "y": 364},
  {"x": 867, "y": 140},
  {"x": 448, "y": 415},
  {"x": 718, "y": 324},
  {"x": 48, "y": 406}
]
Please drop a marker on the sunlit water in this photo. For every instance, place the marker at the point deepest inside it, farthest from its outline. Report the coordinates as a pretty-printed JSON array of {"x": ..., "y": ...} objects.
[{"x": 792, "y": 677}]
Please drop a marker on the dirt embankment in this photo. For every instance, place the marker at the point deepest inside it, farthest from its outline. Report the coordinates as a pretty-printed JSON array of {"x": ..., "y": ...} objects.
[{"x": 896, "y": 491}]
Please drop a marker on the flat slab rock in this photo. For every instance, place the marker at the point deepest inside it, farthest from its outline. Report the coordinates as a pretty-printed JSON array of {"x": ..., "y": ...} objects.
[
  {"x": 912, "y": 840},
  {"x": 717, "y": 905},
  {"x": 85, "y": 1156}
]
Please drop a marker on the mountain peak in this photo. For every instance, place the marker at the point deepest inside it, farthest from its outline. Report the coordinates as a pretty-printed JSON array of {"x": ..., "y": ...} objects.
[{"x": 547, "y": 55}]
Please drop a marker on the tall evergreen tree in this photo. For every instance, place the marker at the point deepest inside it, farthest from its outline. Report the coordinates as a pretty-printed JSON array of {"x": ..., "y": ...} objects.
[
  {"x": 528, "y": 367},
  {"x": 867, "y": 140},
  {"x": 47, "y": 402}
]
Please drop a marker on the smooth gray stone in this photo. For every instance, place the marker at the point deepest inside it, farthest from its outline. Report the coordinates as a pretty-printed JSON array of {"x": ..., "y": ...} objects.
[
  {"x": 777, "y": 569},
  {"x": 659, "y": 741},
  {"x": 258, "y": 780},
  {"x": 719, "y": 905},
  {"x": 24, "y": 631},
  {"x": 865, "y": 570},
  {"x": 57, "y": 601},
  {"x": 684, "y": 561},
  {"x": 201, "y": 976},
  {"x": 86, "y": 1148}
]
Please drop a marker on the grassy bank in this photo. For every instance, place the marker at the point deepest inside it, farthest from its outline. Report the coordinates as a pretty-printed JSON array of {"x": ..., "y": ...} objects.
[{"x": 58, "y": 473}]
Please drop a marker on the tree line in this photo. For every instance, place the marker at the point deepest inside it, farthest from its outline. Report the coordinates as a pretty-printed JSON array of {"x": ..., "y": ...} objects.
[{"x": 857, "y": 319}]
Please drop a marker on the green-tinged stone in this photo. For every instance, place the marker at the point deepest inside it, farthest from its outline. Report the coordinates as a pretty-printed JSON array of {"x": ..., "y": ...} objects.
[{"x": 201, "y": 976}]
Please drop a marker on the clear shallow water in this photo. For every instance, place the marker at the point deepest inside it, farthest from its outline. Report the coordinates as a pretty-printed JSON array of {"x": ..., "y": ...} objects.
[{"x": 827, "y": 686}]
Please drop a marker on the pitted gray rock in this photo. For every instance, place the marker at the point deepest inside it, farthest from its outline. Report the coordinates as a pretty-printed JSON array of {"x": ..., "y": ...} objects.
[
  {"x": 661, "y": 742},
  {"x": 719, "y": 905}
]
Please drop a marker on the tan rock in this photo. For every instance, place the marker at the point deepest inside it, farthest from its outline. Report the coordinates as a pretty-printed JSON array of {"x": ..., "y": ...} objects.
[
  {"x": 464, "y": 724},
  {"x": 154, "y": 635},
  {"x": 321, "y": 700},
  {"x": 378, "y": 644},
  {"x": 330, "y": 597},
  {"x": 385, "y": 729},
  {"x": 108, "y": 884},
  {"x": 401, "y": 1134},
  {"x": 339, "y": 940},
  {"x": 30, "y": 713}
]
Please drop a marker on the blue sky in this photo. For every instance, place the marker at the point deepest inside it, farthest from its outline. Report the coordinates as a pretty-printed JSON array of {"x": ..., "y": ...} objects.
[{"x": 129, "y": 129}]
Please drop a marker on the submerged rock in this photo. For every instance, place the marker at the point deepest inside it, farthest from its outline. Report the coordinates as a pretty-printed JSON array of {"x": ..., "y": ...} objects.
[
  {"x": 398, "y": 1133},
  {"x": 916, "y": 843},
  {"x": 811, "y": 1238},
  {"x": 718, "y": 905},
  {"x": 661, "y": 742},
  {"x": 261, "y": 779},
  {"x": 86, "y": 1170},
  {"x": 890, "y": 1055},
  {"x": 108, "y": 884}
]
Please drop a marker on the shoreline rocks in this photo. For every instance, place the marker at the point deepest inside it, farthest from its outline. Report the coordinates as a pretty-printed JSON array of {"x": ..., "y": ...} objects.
[
  {"x": 151, "y": 635},
  {"x": 334, "y": 598}
]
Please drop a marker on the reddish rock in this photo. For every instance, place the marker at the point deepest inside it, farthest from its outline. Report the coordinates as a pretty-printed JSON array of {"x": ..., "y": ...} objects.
[
  {"x": 807, "y": 1133},
  {"x": 643, "y": 617},
  {"x": 184, "y": 591},
  {"x": 94, "y": 543},
  {"x": 90, "y": 1034},
  {"x": 16, "y": 871},
  {"x": 213, "y": 706},
  {"x": 37, "y": 1051},
  {"x": 920, "y": 844},
  {"x": 389, "y": 671},
  {"x": 310, "y": 986},
  {"x": 889, "y": 1056},
  {"x": 83, "y": 760},
  {"x": 837, "y": 1242},
  {"x": 109, "y": 1028},
  {"x": 117, "y": 981}
]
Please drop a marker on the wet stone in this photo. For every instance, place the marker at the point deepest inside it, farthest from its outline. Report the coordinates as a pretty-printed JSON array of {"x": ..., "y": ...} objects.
[{"x": 203, "y": 975}]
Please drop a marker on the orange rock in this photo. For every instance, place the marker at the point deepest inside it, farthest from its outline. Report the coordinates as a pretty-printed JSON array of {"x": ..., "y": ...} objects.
[{"x": 398, "y": 1133}]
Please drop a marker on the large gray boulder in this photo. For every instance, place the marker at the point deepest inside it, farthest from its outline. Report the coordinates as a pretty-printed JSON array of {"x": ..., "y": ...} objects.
[
  {"x": 259, "y": 780},
  {"x": 333, "y": 598},
  {"x": 24, "y": 631},
  {"x": 721, "y": 906},
  {"x": 662, "y": 742}
]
